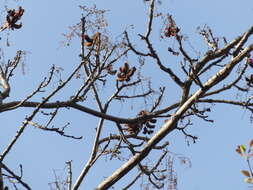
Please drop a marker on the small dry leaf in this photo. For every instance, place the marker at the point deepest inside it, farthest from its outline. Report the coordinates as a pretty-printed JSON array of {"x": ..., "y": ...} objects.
[
  {"x": 241, "y": 149},
  {"x": 251, "y": 143},
  {"x": 238, "y": 150},
  {"x": 248, "y": 180},
  {"x": 245, "y": 172},
  {"x": 88, "y": 44}
]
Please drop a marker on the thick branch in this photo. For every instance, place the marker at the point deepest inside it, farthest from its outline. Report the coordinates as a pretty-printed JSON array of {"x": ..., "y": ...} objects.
[
  {"x": 79, "y": 107},
  {"x": 171, "y": 124}
]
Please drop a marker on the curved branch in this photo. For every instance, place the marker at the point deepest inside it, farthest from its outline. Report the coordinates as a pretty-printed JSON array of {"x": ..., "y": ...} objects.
[
  {"x": 5, "y": 107},
  {"x": 171, "y": 124}
]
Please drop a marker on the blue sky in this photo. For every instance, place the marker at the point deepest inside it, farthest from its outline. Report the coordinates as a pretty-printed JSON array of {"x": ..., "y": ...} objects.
[{"x": 214, "y": 161}]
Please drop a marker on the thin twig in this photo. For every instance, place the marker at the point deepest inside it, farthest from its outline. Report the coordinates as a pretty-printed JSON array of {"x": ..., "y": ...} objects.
[{"x": 18, "y": 178}]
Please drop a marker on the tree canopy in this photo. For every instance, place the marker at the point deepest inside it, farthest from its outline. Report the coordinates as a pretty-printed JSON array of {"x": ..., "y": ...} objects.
[{"x": 107, "y": 101}]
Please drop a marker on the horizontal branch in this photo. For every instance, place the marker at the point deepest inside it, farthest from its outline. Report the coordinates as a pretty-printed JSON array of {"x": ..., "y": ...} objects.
[
  {"x": 231, "y": 102},
  {"x": 66, "y": 104}
]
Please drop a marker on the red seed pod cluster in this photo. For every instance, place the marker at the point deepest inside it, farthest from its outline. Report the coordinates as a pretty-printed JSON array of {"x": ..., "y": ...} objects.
[
  {"x": 125, "y": 73},
  {"x": 171, "y": 28},
  {"x": 13, "y": 16}
]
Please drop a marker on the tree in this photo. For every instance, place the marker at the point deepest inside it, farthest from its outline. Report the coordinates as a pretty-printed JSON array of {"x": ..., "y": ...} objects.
[{"x": 112, "y": 74}]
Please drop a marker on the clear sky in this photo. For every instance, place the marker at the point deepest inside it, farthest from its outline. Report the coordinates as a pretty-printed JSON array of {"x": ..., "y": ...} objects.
[{"x": 215, "y": 164}]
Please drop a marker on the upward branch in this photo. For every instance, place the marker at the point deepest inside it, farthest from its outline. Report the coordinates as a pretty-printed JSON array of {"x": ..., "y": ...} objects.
[{"x": 171, "y": 124}]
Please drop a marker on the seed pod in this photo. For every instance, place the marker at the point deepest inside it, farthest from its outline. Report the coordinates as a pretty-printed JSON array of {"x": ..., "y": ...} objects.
[
  {"x": 150, "y": 126},
  {"x": 88, "y": 39}
]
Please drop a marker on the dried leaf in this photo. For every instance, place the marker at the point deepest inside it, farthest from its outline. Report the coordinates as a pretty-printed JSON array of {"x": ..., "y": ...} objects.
[
  {"x": 251, "y": 143},
  {"x": 248, "y": 180},
  {"x": 245, "y": 172},
  {"x": 125, "y": 73},
  {"x": 238, "y": 150},
  {"x": 88, "y": 44},
  {"x": 88, "y": 39}
]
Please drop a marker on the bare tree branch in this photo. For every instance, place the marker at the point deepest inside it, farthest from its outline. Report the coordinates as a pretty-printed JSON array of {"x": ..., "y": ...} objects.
[
  {"x": 171, "y": 124},
  {"x": 18, "y": 178}
]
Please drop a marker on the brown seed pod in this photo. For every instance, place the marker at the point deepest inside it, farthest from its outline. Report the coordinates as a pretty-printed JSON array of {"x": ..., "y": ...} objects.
[
  {"x": 88, "y": 39},
  {"x": 171, "y": 28},
  {"x": 13, "y": 16},
  {"x": 152, "y": 120},
  {"x": 88, "y": 44},
  {"x": 133, "y": 129},
  {"x": 171, "y": 31},
  {"x": 126, "y": 67},
  {"x": 148, "y": 125},
  {"x": 131, "y": 72},
  {"x": 17, "y": 26},
  {"x": 125, "y": 73},
  {"x": 110, "y": 70}
]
